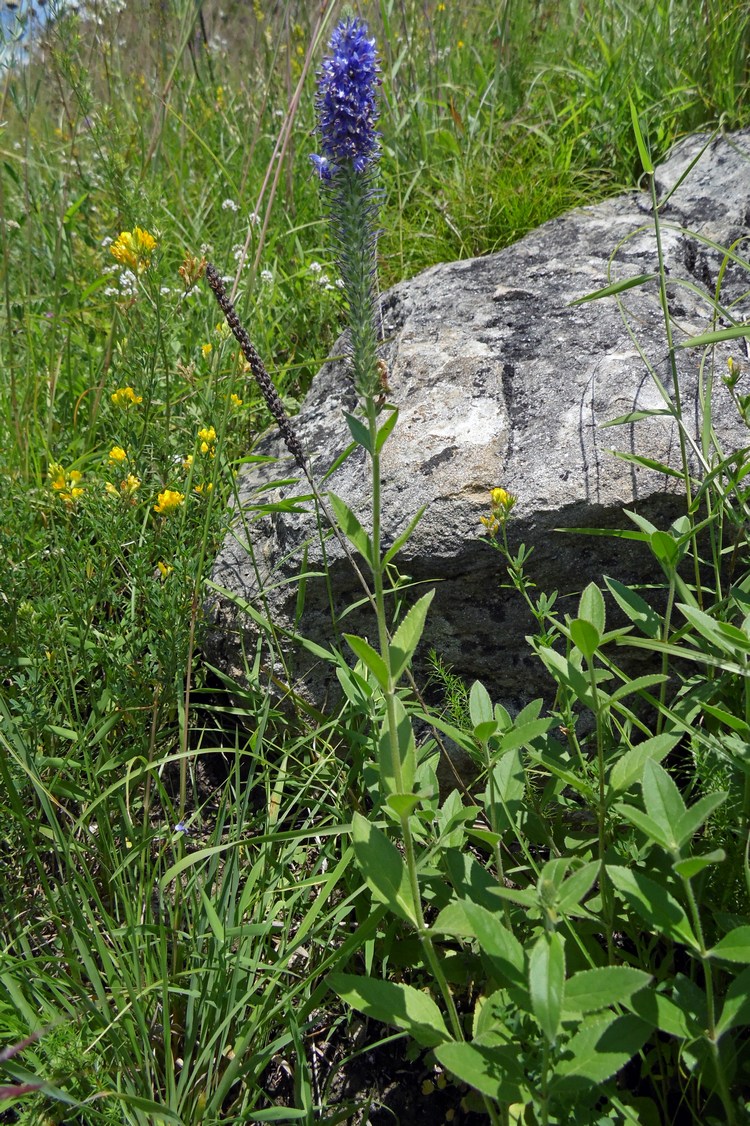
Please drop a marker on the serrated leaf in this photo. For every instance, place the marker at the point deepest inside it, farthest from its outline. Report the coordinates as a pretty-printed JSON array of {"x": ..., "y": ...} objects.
[
  {"x": 390, "y": 782},
  {"x": 393, "y": 1003},
  {"x": 407, "y": 636},
  {"x": 547, "y": 981},
  {"x": 576, "y": 886},
  {"x": 464, "y": 919},
  {"x": 635, "y": 608},
  {"x": 591, "y": 608},
  {"x": 369, "y": 657},
  {"x": 735, "y": 1012},
  {"x": 694, "y": 817},
  {"x": 646, "y": 824},
  {"x": 589, "y": 990},
  {"x": 351, "y": 527},
  {"x": 480, "y": 704},
  {"x": 494, "y": 1070},
  {"x": 654, "y": 903},
  {"x": 598, "y": 1051},
  {"x": 663, "y": 800},
  {"x": 733, "y": 947},
  {"x": 691, "y": 865},
  {"x": 585, "y": 637},
  {"x": 628, "y": 770},
  {"x": 661, "y": 1012},
  {"x": 383, "y": 868}
]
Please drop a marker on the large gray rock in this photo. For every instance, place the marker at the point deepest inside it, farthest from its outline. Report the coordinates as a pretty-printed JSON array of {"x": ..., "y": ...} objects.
[{"x": 500, "y": 381}]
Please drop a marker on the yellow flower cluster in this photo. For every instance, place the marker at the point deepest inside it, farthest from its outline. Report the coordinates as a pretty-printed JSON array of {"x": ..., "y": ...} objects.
[
  {"x": 117, "y": 455},
  {"x": 207, "y": 439},
  {"x": 128, "y": 488},
  {"x": 168, "y": 501},
  {"x": 502, "y": 505},
  {"x": 65, "y": 483},
  {"x": 125, "y": 397},
  {"x": 134, "y": 249}
]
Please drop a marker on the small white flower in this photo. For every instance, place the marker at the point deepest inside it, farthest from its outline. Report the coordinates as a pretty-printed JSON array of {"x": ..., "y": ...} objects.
[
  {"x": 165, "y": 291},
  {"x": 315, "y": 267},
  {"x": 254, "y": 219},
  {"x": 266, "y": 276},
  {"x": 323, "y": 279},
  {"x": 230, "y": 205},
  {"x": 340, "y": 283},
  {"x": 106, "y": 241}
]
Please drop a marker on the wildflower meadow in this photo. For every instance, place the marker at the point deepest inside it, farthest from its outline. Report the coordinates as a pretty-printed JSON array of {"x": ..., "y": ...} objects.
[{"x": 220, "y": 903}]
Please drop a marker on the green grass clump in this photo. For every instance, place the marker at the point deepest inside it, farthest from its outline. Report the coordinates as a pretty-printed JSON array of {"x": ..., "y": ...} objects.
[{"x": 178, "y": 852}]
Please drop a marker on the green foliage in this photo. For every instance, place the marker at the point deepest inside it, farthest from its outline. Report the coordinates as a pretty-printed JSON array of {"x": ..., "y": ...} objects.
[{"x": 191, "y": 866}]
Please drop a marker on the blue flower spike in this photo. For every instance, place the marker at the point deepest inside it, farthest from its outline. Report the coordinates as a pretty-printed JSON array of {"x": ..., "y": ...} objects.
[{"x": 347, "y": 102}]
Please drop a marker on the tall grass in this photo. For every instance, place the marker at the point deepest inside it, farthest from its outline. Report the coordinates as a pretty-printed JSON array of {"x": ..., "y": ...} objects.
[{"x": 178, "y": 875}]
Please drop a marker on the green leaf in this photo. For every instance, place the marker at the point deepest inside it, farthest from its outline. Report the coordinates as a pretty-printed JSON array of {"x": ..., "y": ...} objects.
[
  {"x": 407, "y": 636},
  {"x": 733, "y": 947},
  {"x": 691, "y": 865},
  {"x": 616, "y": 287},
  {"x": 464, "y": 919},
  {"x": 547, "y": 981},
  {"x": 384, "y": 431},
  {"x": 351, "y": 527},
  {"x": 393, "y": 1003},
  {"x": 566, "y": 673},
  {"x": 390, "y": 783},
  {"x": 359, "y": 432},
  {"x": 589, "y": 990},
  {"x": 598, "y": 1051},
  {"x": 636, "y": 608},
  {"x": 661, "y": 1012},
  {"x": 591, "y": 608},
  {"x": 494, "y": 1070},
  {"x": 648, "y": 167},
  {"x": 403, "y": 804},
  {"x": 647, "y": 825},
  {"x": 585, "y": 637},
  {"x": 401, "y": 539},
  {"x": 576, "y": 887},
  {"x": 629, "y": 769},
  {"x": 694, "y": 817},
  {"x": 524, "y": 734},
  {"x": 663, "y": 800},
  {"x": 717, "y": 337},
  {"x": 369, "y": 657},
  {"x": 665, "y": 549},
  {"x": 736, "y": 1009},
  {"x": 654, "y": 903},
  {"x": 383, "y": 868},
  {"x": 480, "y": 704}
]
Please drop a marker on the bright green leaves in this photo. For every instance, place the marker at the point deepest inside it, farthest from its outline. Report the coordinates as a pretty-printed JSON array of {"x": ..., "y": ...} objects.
[
  {"x": 393, "y": 1003},
  {"x": 547, "y": 981},
  {"x": 400, "y": 649},
  {"x": 667, "y": 821},
  {"x": 383, "y": 868},
  {"x": 587, "y": 630},
  {"x": 351, "y": 527},
  {"x": 397, "y": 775}
]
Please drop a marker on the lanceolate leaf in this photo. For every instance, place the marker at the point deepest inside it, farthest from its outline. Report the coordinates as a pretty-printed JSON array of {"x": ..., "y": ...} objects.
[
  {"x": 547, "y": 981},
  {"x": 407, "y": 636},
  {"x": 351, "y": 527},
  {"x": 393, "y": 1003},
  {"x": 654, "y": 903},
  {"x": 494, "y": 1070},
  {"x": 598, "y": 1051},
  {"x": 383, "y": 868},
  {"x": 733, "y": 947},
  {"x": 589, "y": 990}
]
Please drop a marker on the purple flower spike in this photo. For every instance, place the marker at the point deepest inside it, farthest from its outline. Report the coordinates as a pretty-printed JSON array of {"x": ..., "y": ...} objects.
[{"x": 346, "y": 102}]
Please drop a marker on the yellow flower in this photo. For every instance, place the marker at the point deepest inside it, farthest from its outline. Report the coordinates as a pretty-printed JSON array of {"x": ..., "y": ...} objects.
[
  {"x": 111, "y": 490},
  {"x": 501, "y": 498},
  {"x": 168, "y": 501},
  {"x": 235, "y": 401},
  {"x": 207, "y": 438},
  {"x": 130, "y": 485},
  {"x": 125, "y": 397},
  {"x": 187, "y": 464},
  {"x": 117, "y": 454},
  {"x": 165, "y": 569},
  {"x": 201, "y": 489},
  {"x": 207, "y": 349},
  {"x": 65, "y": 482},
  {"x": 222, "y": 330},
  {"x": 134, "y": 249}
]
